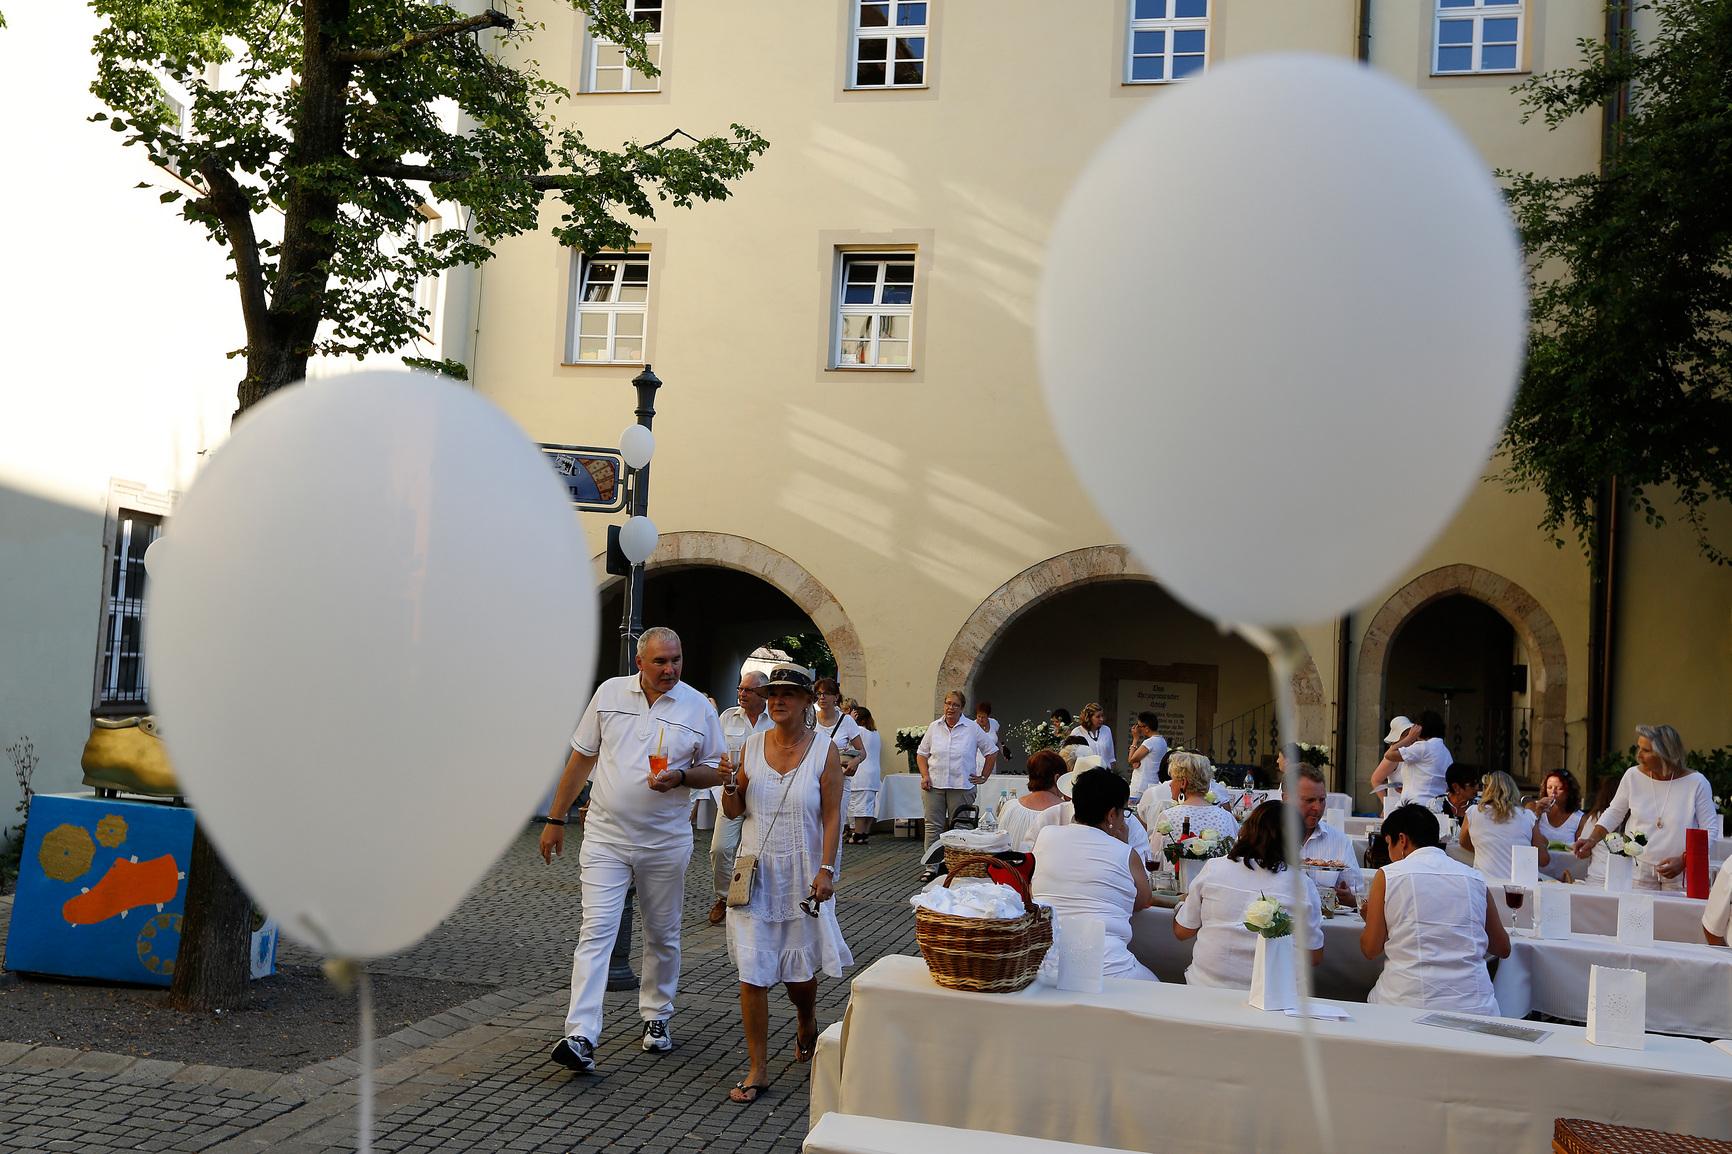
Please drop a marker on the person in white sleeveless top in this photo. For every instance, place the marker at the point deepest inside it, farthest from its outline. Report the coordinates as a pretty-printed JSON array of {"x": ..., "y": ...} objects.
[
  {"x": 1559, "y": 813},
  {"x": 1214, "y": 908},
  {"x": 1088, "y": 870},
  {"x": 1092, "y": 727},
  {"x": 1604, "y": 792},
  {"x": 867, "y": 779},
  {"x": 1190, "y": 777},
  {"x": 789, "y": 789},
  {"x": 1421, "y": 758},
  {"x": 1494, "y": 827},
  {"x": 1661, "y": 798},
  {"x": 1432, "y": 918},
  {"x": 1022, "y": 818},
  {"x": 1148, "y": 748}
]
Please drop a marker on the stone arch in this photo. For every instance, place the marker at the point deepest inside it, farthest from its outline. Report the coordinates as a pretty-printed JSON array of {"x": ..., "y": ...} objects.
[
  {"x": 1547, "y": 670},
  {"x": 1041, "y": 582},
  {"x": 690, "y": 550}
]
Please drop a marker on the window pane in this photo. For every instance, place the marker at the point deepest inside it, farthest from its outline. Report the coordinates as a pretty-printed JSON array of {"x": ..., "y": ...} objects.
[
  {"x": 857, "y": 294},
  {"x": 636, "y": 272},
  {"x": 592, "y": 324},
  {"x": 1494, "y": 3},
  {"x": 628, "y": 350},
  {"x": 1455, "y": 3},
  {"x": 1455, "y": 31},
  {"x": 592, "y": 348},
  {"x": 609, "y": 80},
  {"x": 856, "y": 328},
  {"x": 1191, "y": 9},
  {"x": 1148, "y": 43},
  {"x": 852, "y": 353},
  {"x": 1455, "y": 59},
  {"x": 1500, "y": 31},
  {"x": 1496, "y": 56},
  {"x": 898, "y": 294},
  {"x": 893, "y": 353},
  {"x": 599, "y": 293},
  {"x": 910, "y": 72},
  {"x": 862, "y": 272},
  {"x": 1148, "y": 68},
  {"x": 634, "y": 294},
  {"x": 869, "y": 75},
  {"x": 628, "y": 324},
  {"x": 1188, "y": 40},
  {"x": 1150, "y": 10},
  {"x": 911, "y": 48},
  {"x": 894, "y": 327},
  {"x": 641, "y": 82},
  {"x": 1184, "y": 66},
  {"x": 873, "y": 49},
  {"x": 899, "y": 274},
  {"x": 911, "y": 15},
  {"x": 874, "y": 15}
]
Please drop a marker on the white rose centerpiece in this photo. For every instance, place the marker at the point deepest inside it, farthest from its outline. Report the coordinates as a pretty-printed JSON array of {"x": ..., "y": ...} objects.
[{"x": 1266, "y": 917}]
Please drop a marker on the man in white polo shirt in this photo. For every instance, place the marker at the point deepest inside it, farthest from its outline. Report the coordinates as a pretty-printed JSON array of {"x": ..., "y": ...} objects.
[
  {"x": 949, "y": 769},
  {"x": 637, "y": 833}
]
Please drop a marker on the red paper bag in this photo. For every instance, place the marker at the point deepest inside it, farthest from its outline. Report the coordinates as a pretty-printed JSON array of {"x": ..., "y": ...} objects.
[{"x": 1696, "y": 863}]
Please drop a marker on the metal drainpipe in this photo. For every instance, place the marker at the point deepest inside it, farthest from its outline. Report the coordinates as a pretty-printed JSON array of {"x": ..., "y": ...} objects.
[
  {"x": 1344, "y": 627},
  {"x": 1362, "y": 49},
  {"x": 1608, "y": 540}
]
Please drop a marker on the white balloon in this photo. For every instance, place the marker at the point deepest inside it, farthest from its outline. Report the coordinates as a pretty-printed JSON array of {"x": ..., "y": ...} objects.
[
  {"x": 156, "y": 556},
  {"x": 637, "y": 445},
  {"x": 637, "y": 539},
  {"x": 1282, "y": 316},
  {"x": 370, "y": 650}
]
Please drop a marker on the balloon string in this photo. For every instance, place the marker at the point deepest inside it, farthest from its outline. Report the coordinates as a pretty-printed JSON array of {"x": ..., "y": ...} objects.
[
  {"x": 1285, "y": 652},
  {"x": 364, "y": 1106}
]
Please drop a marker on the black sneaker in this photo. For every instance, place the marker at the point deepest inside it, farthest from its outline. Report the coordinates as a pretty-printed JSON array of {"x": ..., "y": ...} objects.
[
  {"x": 575, "y": 1053},
  {"x": 656, "y": 1039}
]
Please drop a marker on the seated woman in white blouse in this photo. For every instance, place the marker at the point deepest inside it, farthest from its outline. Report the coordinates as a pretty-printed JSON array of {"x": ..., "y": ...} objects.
[
  {"x": 1189, "y": 774},
  {"x": 1214, "y": 909},
  {"x": 1087, "y": 870},
  {"x": 1430, "y": 915},
  {"x": 1659, "y": 797},
  {"x": 1493, "y": 828},
  {"x": 1021, "y": 819}
]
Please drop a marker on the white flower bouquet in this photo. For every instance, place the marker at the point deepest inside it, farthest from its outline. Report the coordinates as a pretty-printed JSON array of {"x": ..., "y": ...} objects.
[
  {"x": 1630, "y": 845},
  {"x": 1268, "y": 918},
  {"x": 1198, "y": 846}
]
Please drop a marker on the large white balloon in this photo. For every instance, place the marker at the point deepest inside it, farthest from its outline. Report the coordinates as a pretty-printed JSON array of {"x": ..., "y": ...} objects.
[
  {"x": 369, "y": 646},
  {"x": 636, "y": 446},
  {"x": 637, "y": 539},
  {"x": 1281, "y": 320}
]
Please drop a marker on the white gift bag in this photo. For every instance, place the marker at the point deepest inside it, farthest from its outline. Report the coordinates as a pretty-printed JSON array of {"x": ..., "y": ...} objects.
[
  {"x": 1617, "y": 1007},
  {"x": 1525, "y": 866},
  {"x": 1552, "y": 912},
  {"x": 1189, "y": 868},
  {"x": 1635, "y": 920},
  {"x": 1272, "y": 983},
  {"x": 1082, "y": 954},
  {"x": 1619, "y": 872}
]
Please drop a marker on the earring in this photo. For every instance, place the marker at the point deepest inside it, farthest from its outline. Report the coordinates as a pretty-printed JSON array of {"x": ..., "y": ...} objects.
[{"x": 811, "y": 717}]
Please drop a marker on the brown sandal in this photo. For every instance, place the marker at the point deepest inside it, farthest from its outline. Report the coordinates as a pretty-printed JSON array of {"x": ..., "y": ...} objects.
[
  {"x": 804, "y": 1046},
  {"x": 756, "y": 1090}
]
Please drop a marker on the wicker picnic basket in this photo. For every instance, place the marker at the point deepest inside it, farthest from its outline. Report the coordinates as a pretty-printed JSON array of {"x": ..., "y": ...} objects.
[
  {"x": 966, "y": 863},
  {"x": 989, "y": 955}
]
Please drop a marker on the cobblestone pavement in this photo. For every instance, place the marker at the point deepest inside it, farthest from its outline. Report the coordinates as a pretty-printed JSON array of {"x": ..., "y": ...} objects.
[{"x": 477, "y": 1076}]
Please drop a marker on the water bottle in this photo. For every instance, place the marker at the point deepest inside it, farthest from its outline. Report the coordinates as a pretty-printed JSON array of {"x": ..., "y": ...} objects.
[
  {"x": 987, "y": 820},
  {"x": 1250, "y": 781}
]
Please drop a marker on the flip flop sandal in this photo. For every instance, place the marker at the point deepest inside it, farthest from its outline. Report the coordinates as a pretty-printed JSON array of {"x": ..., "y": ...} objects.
[
  {"x": 803, "y": 1052},
  {"x": 756, "y": 1090}
]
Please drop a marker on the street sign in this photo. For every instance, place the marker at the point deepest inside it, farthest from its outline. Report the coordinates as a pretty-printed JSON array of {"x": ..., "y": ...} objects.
[{"x": 594, "y": 477}]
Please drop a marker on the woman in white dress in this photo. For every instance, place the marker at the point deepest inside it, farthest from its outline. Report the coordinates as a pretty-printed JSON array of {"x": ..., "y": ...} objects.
[
  {"x": 1088, "y": 870},
  {"x": 1660, "y": 798},
  {"x": 1214, "y": 908},
  {"x": 867, "y": 777},
  {"x": 1192, "y": 812},
  {"x": 1433, "y": 918},
  {"x": 1493, "y": 828},
  {"x": 1021, "y": 819},
  {"x": 1092, "y": 727},
  {"x": 789, "y": 789}
]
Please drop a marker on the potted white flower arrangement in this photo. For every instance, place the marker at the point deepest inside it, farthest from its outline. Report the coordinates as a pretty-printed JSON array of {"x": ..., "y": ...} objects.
[
  {"x": 1272, "y": 981},
  {"x": 908, "y": 741},
  {"x": 1189, "y": 853},
  {"x": 1623, "y": 850}
]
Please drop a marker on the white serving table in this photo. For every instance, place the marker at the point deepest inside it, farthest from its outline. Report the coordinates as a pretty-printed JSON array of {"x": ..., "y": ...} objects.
[
  {"x": 900, "y": 797},
  {"x": 1106, "y": 1069}
]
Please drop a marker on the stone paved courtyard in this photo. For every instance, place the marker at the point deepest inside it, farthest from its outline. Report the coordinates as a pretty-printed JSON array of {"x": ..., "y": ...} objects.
[{"x": 477, "y": 1077}]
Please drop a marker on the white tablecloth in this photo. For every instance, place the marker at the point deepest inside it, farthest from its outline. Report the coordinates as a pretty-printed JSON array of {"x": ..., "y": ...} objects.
[
  {"x": 1345, "y": 973},
  {"x": 1109, "y": 1068},
  {"x": 1689, "y": 986},
  {"x": 900, "y": 797},
  {"x": 826, "y": 1073},
  {"x": 1594, "y": 911}
]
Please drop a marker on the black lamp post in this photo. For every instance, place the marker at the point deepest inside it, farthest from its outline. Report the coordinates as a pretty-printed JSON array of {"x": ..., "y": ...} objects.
[{"x": 619, "y": 971}]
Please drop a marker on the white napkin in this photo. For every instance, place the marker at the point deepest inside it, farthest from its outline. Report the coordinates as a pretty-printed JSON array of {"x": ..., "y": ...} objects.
[
  {"x": 979, "y": 840},
  {"x": 976, "y": 901}
]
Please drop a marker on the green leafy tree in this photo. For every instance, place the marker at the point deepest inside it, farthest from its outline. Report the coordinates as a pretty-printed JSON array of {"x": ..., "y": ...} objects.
[
  {"x": 1629, "y": 370},
  {"x": 311, "y": 141},
  {"x": 808, "y": 649}
]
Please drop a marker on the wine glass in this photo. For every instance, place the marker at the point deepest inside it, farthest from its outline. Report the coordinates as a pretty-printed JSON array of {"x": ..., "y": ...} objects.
[{"x": 1515, "y": 897}]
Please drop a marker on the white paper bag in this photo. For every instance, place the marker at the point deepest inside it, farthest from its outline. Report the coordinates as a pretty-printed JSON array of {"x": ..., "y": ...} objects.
[
  {"x": 1082, "y": 954},
  {"x": 1619, "y": 871},
  {"x": 1337, "y": 818},
  {"x": 1272, "y": 982},
  {"x": 1617, "y": 1007},
  {"x": 1552, "y": 912},
  {"x": 1189, "y": 868},
  {"x": 1635, "y": 920},
  {"x": 1525, "y": 866}
]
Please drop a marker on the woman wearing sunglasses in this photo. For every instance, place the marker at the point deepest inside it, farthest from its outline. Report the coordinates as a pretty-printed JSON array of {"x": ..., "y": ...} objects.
[{"x": 789, "y": 789}]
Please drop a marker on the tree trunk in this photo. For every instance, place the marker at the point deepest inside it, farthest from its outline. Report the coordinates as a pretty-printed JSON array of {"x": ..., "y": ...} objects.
[{"x": 213, "y": 964}]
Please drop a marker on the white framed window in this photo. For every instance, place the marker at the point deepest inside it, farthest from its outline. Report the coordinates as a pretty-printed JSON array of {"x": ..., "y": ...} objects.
[
  {"x": 1168, "y": 40},
  {"x": 122, "y": 679},
  {"x": 612, "y": 309},
  {"x": 889, "y": 44},
  {"x": 1477, "y": 36},
  {"x": 608, "y": 70},
  {"x": 875, "y": 310}
]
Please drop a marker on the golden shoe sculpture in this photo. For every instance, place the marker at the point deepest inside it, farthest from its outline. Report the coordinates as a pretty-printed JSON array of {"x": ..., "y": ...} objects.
[{"x": 126, "y": 754}]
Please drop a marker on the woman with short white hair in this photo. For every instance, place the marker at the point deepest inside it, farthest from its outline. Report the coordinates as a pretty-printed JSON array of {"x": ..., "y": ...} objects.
[
  {"x": 1659, "y": 798},
  {"x": 1192, "y": 811}
]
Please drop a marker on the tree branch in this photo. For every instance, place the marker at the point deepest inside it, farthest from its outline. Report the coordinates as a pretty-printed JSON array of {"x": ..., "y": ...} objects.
[
  {"x": 544, "y": 182},
  {"x": 488, "y": 19},
  {"x": 228, "y": 202}
]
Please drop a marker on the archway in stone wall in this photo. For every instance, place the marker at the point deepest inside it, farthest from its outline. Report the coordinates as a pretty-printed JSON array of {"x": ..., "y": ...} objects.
[
  {"x": 803, "y": 593},
  {"x": 1047, "y": 587},
  {"x": 1534, "y": 629}
]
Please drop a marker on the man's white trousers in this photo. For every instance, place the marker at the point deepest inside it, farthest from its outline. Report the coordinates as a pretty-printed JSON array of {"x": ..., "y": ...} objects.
[{"x": 608, "y": 872}]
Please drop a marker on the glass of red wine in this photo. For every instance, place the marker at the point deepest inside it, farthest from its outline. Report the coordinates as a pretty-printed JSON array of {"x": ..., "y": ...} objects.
[{"x": 1514, "y": 897}]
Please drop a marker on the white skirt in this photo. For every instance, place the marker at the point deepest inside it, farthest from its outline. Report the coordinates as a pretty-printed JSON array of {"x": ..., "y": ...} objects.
[
  {"x": 863, "y": 803},
  {"x": 766, "y": 953}
]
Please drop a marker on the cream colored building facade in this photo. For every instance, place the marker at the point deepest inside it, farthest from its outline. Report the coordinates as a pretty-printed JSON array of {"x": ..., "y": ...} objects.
[{"x": 923, "y": 515}]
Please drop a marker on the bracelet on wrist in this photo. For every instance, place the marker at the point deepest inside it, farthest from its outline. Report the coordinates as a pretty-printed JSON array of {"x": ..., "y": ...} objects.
[
  {"x": 553, "y": 821},
  {"x": 828, "y": 866}
]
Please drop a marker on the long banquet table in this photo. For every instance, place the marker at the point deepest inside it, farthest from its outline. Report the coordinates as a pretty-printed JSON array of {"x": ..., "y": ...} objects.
[
  {"x": 899, "y": 797},
  {"x": 1159, "y": 1067}
]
